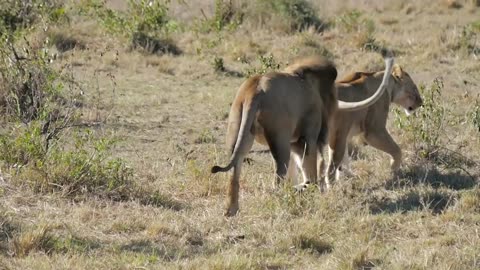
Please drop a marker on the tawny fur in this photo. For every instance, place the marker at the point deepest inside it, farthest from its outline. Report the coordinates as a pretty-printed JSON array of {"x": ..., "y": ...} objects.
[
  {"x": 289, "y": 112},
  {"x": 370, "y": 123}
]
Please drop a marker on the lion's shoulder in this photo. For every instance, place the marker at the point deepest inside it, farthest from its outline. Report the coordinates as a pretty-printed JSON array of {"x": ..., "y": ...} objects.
[{"x": 356, "y": 77}]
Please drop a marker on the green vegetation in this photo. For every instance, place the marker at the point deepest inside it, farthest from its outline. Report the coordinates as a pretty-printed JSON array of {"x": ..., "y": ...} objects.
[
  {"x": 267, "y": 64},
  {"x": 145, "y": 24},
  {"x": 428, "y": 127},
  {"x": 218, "y": 64},
  {"x": 85, "y": 169},
  {"x": 225, "y": 16}
]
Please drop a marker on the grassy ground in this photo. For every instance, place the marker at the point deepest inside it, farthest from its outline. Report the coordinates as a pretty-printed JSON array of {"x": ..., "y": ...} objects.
[{"x": 170, "y": 116}]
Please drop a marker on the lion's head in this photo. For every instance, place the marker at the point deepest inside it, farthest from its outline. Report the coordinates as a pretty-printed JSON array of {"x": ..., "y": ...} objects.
[{"x": 407, "y": 94}]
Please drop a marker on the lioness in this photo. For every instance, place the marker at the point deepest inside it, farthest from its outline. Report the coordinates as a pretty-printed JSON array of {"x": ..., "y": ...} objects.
[
  {"x": 288, "y": 111},
  {"x": 369, "y": 122}
]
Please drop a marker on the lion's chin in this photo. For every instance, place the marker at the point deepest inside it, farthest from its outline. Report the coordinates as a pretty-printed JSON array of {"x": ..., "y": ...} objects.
[{"x": 408, "y": 112}]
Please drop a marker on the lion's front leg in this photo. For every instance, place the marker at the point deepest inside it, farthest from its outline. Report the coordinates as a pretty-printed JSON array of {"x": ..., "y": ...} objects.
[{"x": 382, "y": 140}]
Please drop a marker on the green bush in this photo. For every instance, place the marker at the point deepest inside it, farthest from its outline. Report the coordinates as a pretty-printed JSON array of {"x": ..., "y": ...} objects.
[{"x": 427, "y": 127}]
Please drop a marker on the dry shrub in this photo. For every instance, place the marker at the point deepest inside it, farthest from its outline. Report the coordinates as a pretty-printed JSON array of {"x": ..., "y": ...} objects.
[
  {"x": 285, "y": 15},
  {"x": 29, "y": 84}
]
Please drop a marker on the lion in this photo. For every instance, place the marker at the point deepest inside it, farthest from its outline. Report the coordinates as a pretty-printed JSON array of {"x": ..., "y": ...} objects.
[
  {"x": 370, "y": 122},
  {"x": 289, "y": 112}
]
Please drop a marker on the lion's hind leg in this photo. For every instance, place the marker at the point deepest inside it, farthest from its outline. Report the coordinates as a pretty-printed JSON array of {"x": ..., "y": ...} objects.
[
  {"x": 292, "y": 169},
  {"x": 280, "y": 148},
  {"x": 298, "y": 162},
  {"x": 234, "y": 187},
  {"x": 345, "y": 165},
  {"x": 305, "y": 154},
  {"x": 336, "y": 151}
]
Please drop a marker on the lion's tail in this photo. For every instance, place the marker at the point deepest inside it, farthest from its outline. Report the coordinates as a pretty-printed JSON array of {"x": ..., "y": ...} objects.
[{"x": 249, "y": 110}]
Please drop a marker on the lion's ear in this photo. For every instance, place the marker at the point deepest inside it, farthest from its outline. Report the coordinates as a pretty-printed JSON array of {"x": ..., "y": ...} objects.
[
  {"x": 299, "y": 73},
  {"x": 397, "y": 71}
]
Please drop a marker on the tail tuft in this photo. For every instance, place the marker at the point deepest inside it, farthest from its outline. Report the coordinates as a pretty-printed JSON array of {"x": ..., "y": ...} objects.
[
  {"x": 216, "y": 169},
  {"x": 386, "y": 53}
]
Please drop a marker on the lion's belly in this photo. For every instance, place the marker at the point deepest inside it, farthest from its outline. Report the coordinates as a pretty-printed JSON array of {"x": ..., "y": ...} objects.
[
  {"x": 260, "y": 138},
  {"x": 259, "y": 132}
]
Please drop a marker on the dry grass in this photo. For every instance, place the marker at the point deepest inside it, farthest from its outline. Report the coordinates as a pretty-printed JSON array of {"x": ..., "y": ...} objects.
[{"x": 170, "y": 115}]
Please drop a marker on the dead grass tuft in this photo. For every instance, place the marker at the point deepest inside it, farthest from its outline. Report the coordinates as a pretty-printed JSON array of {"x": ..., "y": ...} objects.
[
  {"x": 469, "y": 201},
  {"x": 312, "y": 244},
  {"x": 361, "y": 261},
  {"x": 36, "y": 239}
]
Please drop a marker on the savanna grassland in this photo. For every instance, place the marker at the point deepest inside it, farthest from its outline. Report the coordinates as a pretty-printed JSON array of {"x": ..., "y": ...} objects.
[{"x": 113, "y": 113}]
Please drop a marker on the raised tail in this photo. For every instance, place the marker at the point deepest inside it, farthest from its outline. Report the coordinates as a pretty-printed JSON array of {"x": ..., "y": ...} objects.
[
  {"x": 354, "y": 106},
  {"x": 249, "y": 110}
]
